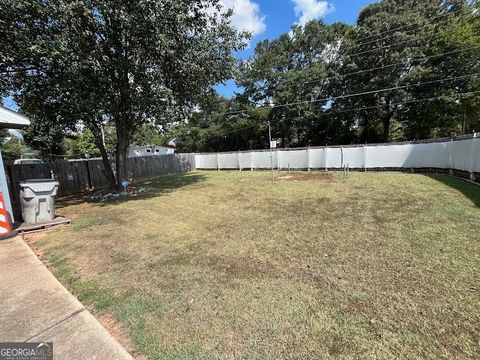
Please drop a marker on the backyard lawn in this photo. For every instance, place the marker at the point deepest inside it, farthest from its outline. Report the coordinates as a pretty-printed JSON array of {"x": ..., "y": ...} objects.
[{"x": 230, "y": 265}]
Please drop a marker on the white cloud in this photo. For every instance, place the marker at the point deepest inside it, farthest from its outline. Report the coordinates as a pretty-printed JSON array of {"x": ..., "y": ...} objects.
[
  {"x": 307, "y": 10},
  {"x": 246, "y": 15}
]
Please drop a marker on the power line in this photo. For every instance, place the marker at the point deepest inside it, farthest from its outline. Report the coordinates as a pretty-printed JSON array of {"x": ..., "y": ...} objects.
[
  {"x": 441, "y": 97},
  {"x": 392, "y": 65},
  {"x": 406, "y": 102},
  {"x": 238, "y": 129},
  {"x": 390, "y": 46},
  {"x": 383, "y": 67},
  {"x": 353, "y": 95},
  {"x": 407, "y": 26},
  {"x": 363, "y": 52}
]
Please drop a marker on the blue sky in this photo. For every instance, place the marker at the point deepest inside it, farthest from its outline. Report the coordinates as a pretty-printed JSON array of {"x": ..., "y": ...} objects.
[{"x": 268, "y": 19}]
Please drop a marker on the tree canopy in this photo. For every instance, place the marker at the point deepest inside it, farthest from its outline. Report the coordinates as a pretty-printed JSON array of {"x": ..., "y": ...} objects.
[
  {"x": 125, "y": 63},
  {"x": 406, "y": 70}
]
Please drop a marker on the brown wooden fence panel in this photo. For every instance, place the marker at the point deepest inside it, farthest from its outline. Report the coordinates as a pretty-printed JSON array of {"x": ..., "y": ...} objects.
[
  {"x": 72, "y": 175},
  {"x": 97, "y": 174},
  {"x": 77, "y": 176},
  {"x": 147, "y": 167}
]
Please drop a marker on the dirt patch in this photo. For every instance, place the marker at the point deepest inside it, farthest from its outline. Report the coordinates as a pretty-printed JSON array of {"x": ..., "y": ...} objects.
[
  {"x": 306, "y": 177},
  {"x": 31, "y": 240},
  {"x": 245, "y": 267},
  {"x": 117, "y": 331}
]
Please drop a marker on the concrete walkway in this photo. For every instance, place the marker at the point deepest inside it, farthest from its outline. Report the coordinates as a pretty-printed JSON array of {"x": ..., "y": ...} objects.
[{"x": 34, "y": 306}]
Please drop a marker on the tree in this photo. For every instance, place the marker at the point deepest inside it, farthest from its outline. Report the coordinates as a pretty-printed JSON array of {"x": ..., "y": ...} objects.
[
  {"x": 124, "y": 63},
  {"x": 82, "y": 144},
  {"x": 4, "y": 135},
  {"x": 290, "y": 72},
  {"x": 222, "y": 125},
  {"x": 14, "y": 149},
  {"x": 388, "y": 40},
  {"x": 44, "y": 136},
  {"x": 327, "y": 81},
  {"x": 452, "y": 115},
  {"x": 86, "y": 144},
  {"x": 149, "y": 134}
]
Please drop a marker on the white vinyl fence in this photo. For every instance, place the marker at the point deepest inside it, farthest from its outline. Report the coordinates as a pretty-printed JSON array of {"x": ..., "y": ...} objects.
[{"x": 462, "y": 155}]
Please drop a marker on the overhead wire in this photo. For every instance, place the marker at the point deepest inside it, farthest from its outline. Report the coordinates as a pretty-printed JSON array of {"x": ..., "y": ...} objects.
[
  {"x": 441, "y": 97},
  {"x": 408, "y": 25},
  {"x": 333, "y": 98},
  {"x": 393, "y": 65},
  {"x": 362, "y": 52}
]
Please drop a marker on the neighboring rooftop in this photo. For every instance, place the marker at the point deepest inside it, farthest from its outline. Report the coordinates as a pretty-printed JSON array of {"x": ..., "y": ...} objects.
[{"x": 10, "y": 119}]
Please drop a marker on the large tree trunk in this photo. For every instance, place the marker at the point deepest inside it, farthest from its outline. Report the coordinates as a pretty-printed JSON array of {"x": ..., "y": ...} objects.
[{"x": 98, "y": 138}]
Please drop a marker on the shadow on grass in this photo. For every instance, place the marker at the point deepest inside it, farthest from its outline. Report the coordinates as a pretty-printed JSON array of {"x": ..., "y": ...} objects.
[
  {"x": 155, "y": 187},
  {"x": 67, "y": 200},
  {"x": 471, "y": 191}
]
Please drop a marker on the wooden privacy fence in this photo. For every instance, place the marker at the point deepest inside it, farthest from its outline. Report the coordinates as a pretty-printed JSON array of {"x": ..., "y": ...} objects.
[{"x": 77, "y": 176}]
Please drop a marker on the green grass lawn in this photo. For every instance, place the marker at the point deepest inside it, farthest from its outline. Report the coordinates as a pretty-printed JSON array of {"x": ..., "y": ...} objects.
[{"x": 227, "y": 265}]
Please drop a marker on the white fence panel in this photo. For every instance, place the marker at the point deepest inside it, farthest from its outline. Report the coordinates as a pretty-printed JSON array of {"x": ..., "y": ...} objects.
[
  {"x": 262, "y": 160},
  {"x": 433, "y": 155},
  {"x": 317, "y": 158},
  {"x": 206, "y": 161},
  {"x": 294, "y": 159},
  {"x": 334, "y": 158},
  {"x": 228, "y": 161},
  {"x": 394, "y": 156},
  {"x": 475, "y": 155},
  {"x": 354, "y": 157},
  {"x": 466, "y": 155},
  {"x": 245, "y": 160}
]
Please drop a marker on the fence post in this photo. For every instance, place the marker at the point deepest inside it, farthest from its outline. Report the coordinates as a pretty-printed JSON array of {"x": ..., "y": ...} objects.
[
  {"x": 472, "y": 158},
  {"x": 308, "y": 158},
  {"x": 341, "y": 151},
  {"x": 89, "y": 179},
  {"x": 365, "y": 158},
  {"x": 450, "y": 154},
  {"x": 218, "y": 163},
  {"x": 325, "y": 156},
  {"x": 238, "y": 160}
]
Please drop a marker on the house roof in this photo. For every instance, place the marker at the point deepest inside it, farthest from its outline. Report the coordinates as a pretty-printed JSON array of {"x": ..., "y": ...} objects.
[{"x": 12, "y": 120}]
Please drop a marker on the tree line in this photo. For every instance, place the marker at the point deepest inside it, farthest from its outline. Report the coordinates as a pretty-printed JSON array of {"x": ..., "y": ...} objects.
[{"x": 406, "y": 70}]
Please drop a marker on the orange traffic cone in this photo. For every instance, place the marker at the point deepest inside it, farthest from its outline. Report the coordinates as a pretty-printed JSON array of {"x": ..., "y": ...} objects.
[{"x": 5, "y": 227}]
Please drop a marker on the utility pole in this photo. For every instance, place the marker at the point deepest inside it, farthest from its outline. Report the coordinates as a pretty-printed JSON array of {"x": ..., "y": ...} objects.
[{"x": 271, "y": 148}]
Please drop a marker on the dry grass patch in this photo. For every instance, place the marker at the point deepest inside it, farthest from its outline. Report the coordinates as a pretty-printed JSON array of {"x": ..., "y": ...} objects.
[
  {"x": 306, "y": 176},
  {"x": 232, "y": 265}
]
